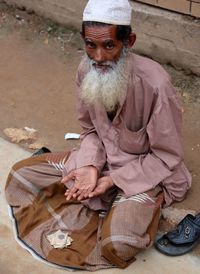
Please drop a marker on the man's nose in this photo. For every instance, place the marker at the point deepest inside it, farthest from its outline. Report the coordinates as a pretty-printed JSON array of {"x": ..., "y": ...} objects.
[{"x": 99, "y": 56}]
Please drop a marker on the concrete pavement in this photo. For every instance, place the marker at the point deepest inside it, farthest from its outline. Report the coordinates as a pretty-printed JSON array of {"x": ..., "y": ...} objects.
[{"x": 15, "y": 260}]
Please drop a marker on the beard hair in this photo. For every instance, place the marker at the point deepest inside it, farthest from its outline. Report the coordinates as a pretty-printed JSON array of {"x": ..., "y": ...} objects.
[{"x": 108, "y": 87}]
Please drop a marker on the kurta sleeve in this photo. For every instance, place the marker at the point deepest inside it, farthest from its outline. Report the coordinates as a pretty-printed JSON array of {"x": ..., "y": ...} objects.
[
  {"x": 165, "y": 153},
  {"x": 91, "y": 150}
]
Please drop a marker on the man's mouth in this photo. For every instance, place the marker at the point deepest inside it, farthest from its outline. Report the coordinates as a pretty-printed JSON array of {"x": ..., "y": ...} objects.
[{"x": 102, "y": 67}]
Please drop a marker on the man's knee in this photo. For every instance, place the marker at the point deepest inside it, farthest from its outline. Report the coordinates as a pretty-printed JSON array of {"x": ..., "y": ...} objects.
[
  {"x": 124, "y": 235},
  {"x": 119, "y": 253}
]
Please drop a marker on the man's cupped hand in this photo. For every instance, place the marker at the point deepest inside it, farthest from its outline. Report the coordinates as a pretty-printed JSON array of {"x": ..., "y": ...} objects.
[
  {"x": 85, "y": 181},
  {"x": 103, "y": 184}
]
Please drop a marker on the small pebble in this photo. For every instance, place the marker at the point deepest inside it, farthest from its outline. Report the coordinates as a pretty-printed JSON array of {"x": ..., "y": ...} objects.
[{"x": 18, "y": 17}]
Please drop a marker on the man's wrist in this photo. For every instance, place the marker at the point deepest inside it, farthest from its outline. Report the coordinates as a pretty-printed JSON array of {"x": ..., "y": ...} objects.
[{"x": 109, "y": 179}]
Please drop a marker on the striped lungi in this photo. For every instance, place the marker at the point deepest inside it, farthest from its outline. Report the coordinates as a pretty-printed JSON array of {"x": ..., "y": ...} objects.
[{"x": 99, "y": 239}]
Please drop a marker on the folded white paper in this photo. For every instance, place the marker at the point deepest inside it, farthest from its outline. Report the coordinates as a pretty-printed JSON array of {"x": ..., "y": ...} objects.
[
  {"x": 59, "y": 239},
  {"x": 72, "y": 136}
]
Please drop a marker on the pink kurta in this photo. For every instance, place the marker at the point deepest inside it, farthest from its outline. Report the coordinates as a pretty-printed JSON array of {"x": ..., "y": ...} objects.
[{"x": 141, "y": 147}]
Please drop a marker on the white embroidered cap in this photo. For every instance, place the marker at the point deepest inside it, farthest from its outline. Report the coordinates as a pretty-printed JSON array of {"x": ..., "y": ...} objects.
[{"x": 115, "y": 12}]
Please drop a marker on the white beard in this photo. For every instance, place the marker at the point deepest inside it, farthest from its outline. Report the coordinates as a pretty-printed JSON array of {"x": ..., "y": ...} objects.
[{"x": 108, "y": 87}]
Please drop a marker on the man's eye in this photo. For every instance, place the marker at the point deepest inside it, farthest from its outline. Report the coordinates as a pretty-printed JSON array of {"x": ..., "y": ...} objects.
[
  {"x": 90, "y": 45},
  {"x": 109, "y": 46}
]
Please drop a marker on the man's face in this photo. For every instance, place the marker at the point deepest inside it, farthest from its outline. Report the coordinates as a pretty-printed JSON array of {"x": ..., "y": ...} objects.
[{"x": 102, "y": 46}]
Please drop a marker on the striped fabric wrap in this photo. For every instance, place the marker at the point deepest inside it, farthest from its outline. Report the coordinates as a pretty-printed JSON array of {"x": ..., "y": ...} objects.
[{"x": 38, "y": 208}]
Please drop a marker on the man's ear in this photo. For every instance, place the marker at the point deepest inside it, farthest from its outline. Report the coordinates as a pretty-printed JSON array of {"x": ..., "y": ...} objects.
[{"x": 131, "y": 39}]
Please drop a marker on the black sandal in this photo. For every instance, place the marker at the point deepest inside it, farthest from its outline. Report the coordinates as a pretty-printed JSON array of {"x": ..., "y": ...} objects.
[
  {"x": 183, "y": 239},
  {"x": 40, "y": 151}
]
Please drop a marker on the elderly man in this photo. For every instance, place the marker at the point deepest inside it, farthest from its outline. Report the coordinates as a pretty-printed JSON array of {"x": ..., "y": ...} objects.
[{"x": 99, "y": 205}]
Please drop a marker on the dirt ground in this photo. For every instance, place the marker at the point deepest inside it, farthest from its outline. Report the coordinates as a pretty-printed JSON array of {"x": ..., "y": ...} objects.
[{"x": 38, "y": 62}]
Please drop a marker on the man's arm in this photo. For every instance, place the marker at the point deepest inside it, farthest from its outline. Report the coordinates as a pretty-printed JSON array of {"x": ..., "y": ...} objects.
[{"x": 85, "y": 164}]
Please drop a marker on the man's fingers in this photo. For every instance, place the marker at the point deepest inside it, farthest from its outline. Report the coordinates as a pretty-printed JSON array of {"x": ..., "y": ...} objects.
[
  {"x": 80, "y": 191},
  {"x": 69, "y": 194},
  {"x": 82, "y": 195},
  {"x": 95, "y": 193},
  {"x": 74, "y": 196},
  {"x": 67, "y": 178},
  {"x": 69, "y": 191},
  {"x": 69, "y": 197}
]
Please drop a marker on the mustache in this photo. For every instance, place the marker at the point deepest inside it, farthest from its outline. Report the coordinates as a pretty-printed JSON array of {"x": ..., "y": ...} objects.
[
  {"x": 111, "y": 64},
  {"x": 105, "y": 63}
]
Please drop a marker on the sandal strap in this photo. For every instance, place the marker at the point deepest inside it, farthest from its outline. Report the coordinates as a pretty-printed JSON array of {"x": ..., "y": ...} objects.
[{"x": 188, "y": 230}]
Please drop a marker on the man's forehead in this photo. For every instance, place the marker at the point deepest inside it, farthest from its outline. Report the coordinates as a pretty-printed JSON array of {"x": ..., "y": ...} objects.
[{"x": 100, "y": 32}]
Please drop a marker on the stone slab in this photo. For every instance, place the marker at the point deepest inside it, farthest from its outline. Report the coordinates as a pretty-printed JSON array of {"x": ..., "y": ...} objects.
[
  {"x": 182, "y": 6},
  {"x": 195, "y": 11},
  {"x": 167, "y": 37}
]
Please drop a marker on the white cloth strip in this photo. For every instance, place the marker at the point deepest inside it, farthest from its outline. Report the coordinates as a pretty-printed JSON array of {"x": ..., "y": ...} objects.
[
  {"x": 25, "y": 182},
  {"x": 52, "y": 164},
  {"x": 119, "y": 238},
  {"x": 63, "y": 162},
  {"x": 58, "y": 166},
  {"x": 136, "y": 199},
  {"x": 55, "y": 216},
  {"x": 148, "y": 197},
  {"x": 141, "y": 198}
]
